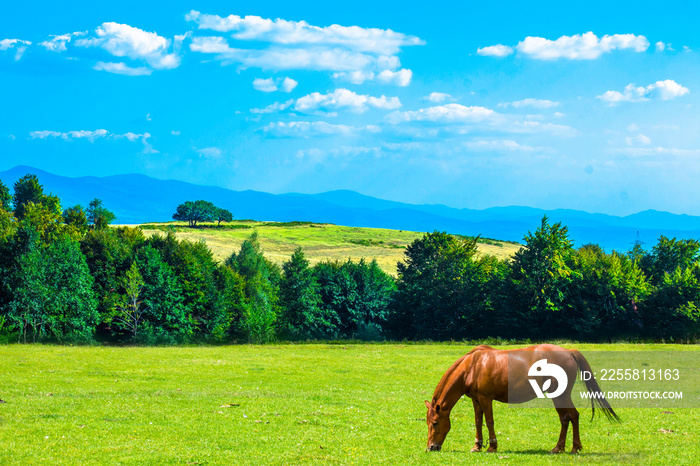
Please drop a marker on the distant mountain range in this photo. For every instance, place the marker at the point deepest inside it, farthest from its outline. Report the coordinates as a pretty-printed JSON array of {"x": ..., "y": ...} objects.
[{"x": 139, "y": 199}]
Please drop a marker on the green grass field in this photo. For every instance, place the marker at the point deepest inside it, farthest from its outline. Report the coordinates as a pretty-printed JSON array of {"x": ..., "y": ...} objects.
[
  {"x": 288, "y": 404},
  {"x": 320, "y": 242}
]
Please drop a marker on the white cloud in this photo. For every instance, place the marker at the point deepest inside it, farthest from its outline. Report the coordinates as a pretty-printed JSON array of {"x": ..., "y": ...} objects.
[
  {"x": 58, "y": 43},
  {"x": 343, "y": 98},
  {"x": 307, "y": 129},
  {"x": 442, "y": 113},
  {"x": 586, "y": 46},
  {"x": 353, "y": 53},
  {"x": 265, "y": 85},
  {"x": 500, "y": 145},
  {"x": 535, "y": 103},
  {"x": 280, "y": 31},
  {"x": 288, "y": 84},
  {"x": 210, "y": 152},
  {"x": 438, "y": 97},
  {"x": 660, "y": 46},
  {"x": 19, "y": 45},
  {"x": 122, "y": 40},
  {"x": 282, "y": 58},
  {"x": 495, "y": 51},
  {"x": 400, "y": 78},
  {"x": 355, "y": 77},
  {"x": 659, "y": 150},
  {"x": 638, "y": 140},
  {"x": 122, "y": 68},
  {"x": 175, "y": 133},
  {"x": 272, "y": 108},
  {"x": 272, "y": 84},
  {"x": 664, "y": 90},
  {"x": 92, "y": 136}
]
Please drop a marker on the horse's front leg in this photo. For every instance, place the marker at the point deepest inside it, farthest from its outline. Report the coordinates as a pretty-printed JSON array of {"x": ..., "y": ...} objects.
[
  {"x": 487, "y": 407},
  {"x": 478, "y": 423}
]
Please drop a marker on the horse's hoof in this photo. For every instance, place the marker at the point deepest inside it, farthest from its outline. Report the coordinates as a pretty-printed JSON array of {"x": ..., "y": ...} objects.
[
  {"x": 491, "y": 450},
  {"x": 556, "y": 450},
  {"x": 575, "y": 450},
  {"x": 475, "y": 450}
]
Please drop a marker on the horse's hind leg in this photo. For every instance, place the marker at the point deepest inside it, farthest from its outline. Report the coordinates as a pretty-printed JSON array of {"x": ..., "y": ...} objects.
[
  {"x": 478, "y": 423},
  {"x": 574, "y": 422},
  {"x": 564, "y": 418}
]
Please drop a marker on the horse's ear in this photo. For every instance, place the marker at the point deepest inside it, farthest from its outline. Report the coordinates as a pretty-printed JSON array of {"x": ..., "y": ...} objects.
[{"x": 427, "y": 404}]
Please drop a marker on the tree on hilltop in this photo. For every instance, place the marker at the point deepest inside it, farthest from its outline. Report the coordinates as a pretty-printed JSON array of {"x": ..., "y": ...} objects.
[{"x": 194, "y": 212}]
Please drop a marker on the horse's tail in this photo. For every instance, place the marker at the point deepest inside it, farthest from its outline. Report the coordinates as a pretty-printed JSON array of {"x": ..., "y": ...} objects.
[{"x": 594, "y": 390}]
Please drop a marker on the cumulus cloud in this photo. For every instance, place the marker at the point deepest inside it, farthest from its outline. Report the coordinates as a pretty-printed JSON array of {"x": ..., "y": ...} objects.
[
  {"x": 534, "y": 103},
  {"x": 664, "y": 90},
  {"x": 58, "y": 43},
  {"x": 442, "y": 113},
  {"x": 400, "y": 78},
  {"x": 274, "y": 84},
  {"x": 273, "y": 108},
  {"x": 122, "y": 68},
  {"x": 586, "y": 46},
  {"x": 280, "y": 31},
  {"x": 210, "y": 152},
  {"x": 122, "y": 40},
  {"x": 353, "y": 53},
  {"x": 339, "y": 99},
  {"x": 19, "y": 46},
  {"x": 638, "y": 140},
  {"x": 438, "y": 97},
  {"x": 93, "y": 135},
  {"x": 306, "y": 129},
  {"x": 500, "y": 145},
  {"x": 343, "y": 98},
  {"x": 459, "y": 119},
  {"x": 495, "y": 51}
]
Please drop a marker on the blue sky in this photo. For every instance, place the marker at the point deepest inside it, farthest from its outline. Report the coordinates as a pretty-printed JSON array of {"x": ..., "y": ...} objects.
[{"x": 467, "y": 104}]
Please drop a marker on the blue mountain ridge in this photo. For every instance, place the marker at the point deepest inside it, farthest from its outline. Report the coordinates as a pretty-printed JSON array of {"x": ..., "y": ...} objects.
[{"x": 138, "y": 198}]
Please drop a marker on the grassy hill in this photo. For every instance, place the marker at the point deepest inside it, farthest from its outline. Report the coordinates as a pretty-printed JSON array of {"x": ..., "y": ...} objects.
[{"x": 320, "y": 242}]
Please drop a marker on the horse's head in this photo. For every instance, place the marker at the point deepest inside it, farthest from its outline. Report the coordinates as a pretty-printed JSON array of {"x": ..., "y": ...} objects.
[{"x": 438, "y": 420}]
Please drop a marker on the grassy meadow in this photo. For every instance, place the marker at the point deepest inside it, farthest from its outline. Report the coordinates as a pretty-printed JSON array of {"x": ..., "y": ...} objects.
[
  {"x": 289, "y": 404},
  {"x": 320, "y": 242}
]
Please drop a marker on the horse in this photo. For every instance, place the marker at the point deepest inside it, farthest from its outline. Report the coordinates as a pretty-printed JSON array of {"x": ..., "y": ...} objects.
[{"x": 511, "y": 376}]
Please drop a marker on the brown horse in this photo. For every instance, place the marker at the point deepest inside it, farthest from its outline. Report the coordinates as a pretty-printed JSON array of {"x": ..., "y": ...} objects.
[{"x": 510, "y": 376}]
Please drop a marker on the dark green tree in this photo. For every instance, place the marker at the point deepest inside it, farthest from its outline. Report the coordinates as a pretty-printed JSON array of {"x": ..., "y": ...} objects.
[
  {"x": 53, "y": 295},
  {"x": 5, "y": 197},
  {"x": 98, "y": 216},
  {"x": 109, "y": 254},
  {"x": 223, "y": 215},
  {"x": 302, "y": 317},
  {"x": 165, "y": 319},
  {"x": 195, "y": 212},
  {"x": 540, "y": 277},
  {"x": 27, "y": 189},
  {"x": 75, "y": 216},
  {"x": 604, "y": 296},
  {"x": 442, "y": 288},
  {"x": 262, "y": 279}
]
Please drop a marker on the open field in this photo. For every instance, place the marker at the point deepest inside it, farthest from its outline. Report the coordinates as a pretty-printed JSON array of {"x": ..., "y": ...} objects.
[
  {"x": 289, "y": 404},
  {"x": 320, "y": 242}
]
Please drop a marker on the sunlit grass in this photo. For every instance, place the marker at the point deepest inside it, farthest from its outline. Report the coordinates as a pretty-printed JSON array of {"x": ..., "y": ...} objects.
[
  {"x": 287, "y": 404},
  {"x": 320, "y": 242}
]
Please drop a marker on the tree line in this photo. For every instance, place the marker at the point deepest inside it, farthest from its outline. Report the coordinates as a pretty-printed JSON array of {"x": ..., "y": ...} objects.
[{"x": 67, "y": 276}]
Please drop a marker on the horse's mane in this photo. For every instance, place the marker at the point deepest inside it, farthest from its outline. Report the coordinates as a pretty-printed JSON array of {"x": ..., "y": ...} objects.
[{"x": 443, "y": 381}]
